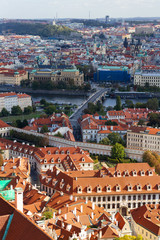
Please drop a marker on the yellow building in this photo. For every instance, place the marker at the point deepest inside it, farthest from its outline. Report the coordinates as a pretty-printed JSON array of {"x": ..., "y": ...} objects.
[
  {"x": 12, "y": 77},
  {"x": 65, "y": 75},
  {"x": 145, "y": 221}
]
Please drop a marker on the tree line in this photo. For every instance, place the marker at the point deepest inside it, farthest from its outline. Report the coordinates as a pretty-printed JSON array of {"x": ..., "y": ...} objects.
[
  {"x": 43, "y": 30},
  {"x": 16, "y": 110},
  {"x": 36, "y": 140}
]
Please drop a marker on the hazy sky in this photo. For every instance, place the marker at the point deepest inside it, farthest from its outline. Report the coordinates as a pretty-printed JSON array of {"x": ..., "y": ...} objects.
[{"x": 78, "y": 8}]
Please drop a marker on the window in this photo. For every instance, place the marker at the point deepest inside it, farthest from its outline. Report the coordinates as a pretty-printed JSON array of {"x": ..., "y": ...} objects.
[
  {"x": 94, "y": 199},
  {"x": 104, "y": 199},
  {"x": 99, "y": 199}
]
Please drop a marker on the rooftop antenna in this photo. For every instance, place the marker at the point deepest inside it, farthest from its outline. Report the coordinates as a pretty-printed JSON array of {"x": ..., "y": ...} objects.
[{"x": 89, "y": 15}]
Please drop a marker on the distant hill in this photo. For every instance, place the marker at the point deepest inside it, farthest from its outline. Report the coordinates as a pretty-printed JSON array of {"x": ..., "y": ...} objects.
[{"x": 35, "y": 29}]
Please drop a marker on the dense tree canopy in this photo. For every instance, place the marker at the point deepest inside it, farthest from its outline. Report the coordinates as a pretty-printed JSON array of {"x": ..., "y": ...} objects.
[
  {"x": 42, "y": 30},
  {"x": 118, "y": 151}
]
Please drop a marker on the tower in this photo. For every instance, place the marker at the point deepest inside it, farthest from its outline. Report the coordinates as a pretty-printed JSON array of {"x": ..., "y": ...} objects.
[{"x": 19, "y": 199}]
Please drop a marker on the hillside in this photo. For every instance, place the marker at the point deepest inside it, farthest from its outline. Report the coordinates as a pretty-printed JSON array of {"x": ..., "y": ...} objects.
[{"x": 35, "y": 29}]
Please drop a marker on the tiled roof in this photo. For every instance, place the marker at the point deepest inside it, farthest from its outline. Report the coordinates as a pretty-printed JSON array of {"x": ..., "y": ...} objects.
[
  {"x": 147, "y": 216},
  {"x": 20, "y": 227}
]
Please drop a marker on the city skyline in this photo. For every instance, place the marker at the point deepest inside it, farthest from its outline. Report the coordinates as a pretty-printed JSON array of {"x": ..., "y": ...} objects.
[{"x": 74, "y": 9}]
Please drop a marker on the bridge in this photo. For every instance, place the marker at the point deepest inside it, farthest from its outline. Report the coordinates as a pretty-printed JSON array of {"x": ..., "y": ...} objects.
[{"x": 79, "y": 111}]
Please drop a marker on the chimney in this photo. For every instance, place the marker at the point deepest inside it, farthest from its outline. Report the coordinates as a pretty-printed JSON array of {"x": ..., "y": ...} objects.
[
  {"x": 75, "y": 199},
  {"x": 19, "y": 199},
  {"x": 2, "y": 168},
  {"x": 75, "y": 211},
  {"x": 65, "y": 216},
  {"x": 86, "y": 201},
  {"x": 71, "y": 197},
  {"x": 77, "y": 218},
  {"x": 11, "y": 187},
  {"x": 59, "y": 212},
  {"x": 93, "y": 206},
  {"x": 100, "y": 234},
  {"x": 92, "y": 215},
  {"x": 81, "y": 208}
]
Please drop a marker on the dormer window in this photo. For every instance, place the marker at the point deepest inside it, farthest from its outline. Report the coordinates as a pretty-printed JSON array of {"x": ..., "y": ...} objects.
[
  {"x": 79, "y": 189},
  {"x": 45, "y": 161},
  {"x": 158, "y": 186},
  {"x": 118, "y": 188},
  {"x": 68, "y": 187},
  {"x": 118, "y": 174},
  {"x": 57, "y": 172},
  {"x": 89, "y": 189},
  {"x": 99, "y": 189},
  {"x": 142, "y": 173},
  {"x": 62, "y": 152},
  {"x": 134, "y": 173},
  {"x": 68, "y": 152},
  {"x": 61, "y": 184},
  {"x": 83, "y": 160},
  {"x": 126, "y": 173},
  {"x": 57, "y": 152},
  {"x": 52, "y": 160},
  {"x": 108, "y": 188},
  {"x": 149, "y": 188},
  {"x": 59, "y": 160},
  {"x": 150, "y": 173},
  {"x": 49, "y": 152},
  {"x": 139, "y": 188},
  {"x": 129, "y": 187}
]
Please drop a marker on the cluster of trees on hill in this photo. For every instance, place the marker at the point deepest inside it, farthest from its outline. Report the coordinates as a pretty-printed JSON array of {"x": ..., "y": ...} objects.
[
  {"x": 42, "y": 30},
  {"x": 153, "y": 159}
]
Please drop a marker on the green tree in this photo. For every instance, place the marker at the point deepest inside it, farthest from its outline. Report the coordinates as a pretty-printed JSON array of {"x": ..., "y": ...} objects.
[
  {"x": 153, "y": 104},
  {"x": 44, "y": 129},
  {"x": 141, "y": 122},
  {"x": 47, "y": 215},
  {"x": 59, "y": 135},
  {"x": 43, "y": 101},
  {"x": 118, "y": 151},
  {"x": 129, "y": 237},
  {"x": 118, "y": 105},
  {"x": 50, "y": 109},
  {"x": 4, "y": 112},
  {"x": 28, "y": 110},
  {"x": 105, "y": 141},
  {"x": 16, "y": 110},
  {"x": 129, "y": 103},
  {"x": 114, "y": 138}
]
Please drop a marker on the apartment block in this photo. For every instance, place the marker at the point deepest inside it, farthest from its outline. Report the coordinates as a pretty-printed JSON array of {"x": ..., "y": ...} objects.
[
  {"x": 10, "y": 99},
  {"x": 12, "y": 77},
  {"x": 143, "y": 77},
  {"x": 143, "y": 138}
]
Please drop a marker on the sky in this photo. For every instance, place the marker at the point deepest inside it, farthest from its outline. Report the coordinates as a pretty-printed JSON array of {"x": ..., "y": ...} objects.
[{"x": 78, "y": 8}]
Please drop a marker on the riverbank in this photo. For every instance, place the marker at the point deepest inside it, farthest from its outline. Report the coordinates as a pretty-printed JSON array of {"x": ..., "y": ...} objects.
[{"x": 63, "y": 92}]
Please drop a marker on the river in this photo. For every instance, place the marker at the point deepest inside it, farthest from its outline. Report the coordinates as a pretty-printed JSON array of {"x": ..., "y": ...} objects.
[{"x": 78, "y": 100}]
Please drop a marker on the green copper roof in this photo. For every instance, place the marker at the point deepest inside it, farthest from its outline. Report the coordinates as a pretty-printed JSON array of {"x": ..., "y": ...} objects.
[
  {"x": 3, "y": 184},
  {"x": 70, "y": 70},
  {"x": 6, "y": 194},
  {"x": 115, "y": 67}
]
